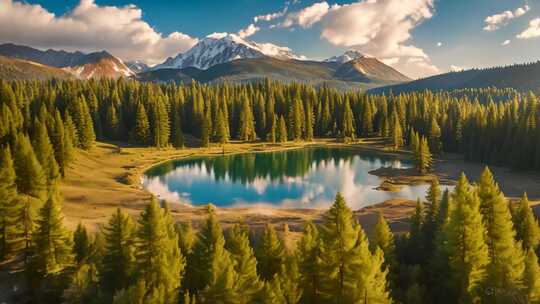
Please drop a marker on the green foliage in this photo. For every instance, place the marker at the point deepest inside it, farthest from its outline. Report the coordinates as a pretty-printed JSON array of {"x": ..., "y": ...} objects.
[
  {"x": 141, "y": 132},
  {"x": 270, "y": 253},
  {"x": 526, "y": 225},
  {"x": 159, "y": 262},
  {"x": 81, "y": 244},
  {"x": 310, "y": 264},
  {"x": 53, "y": 245},
  {"x": 9, "y": 206},
  {"x": 422, "y": 156}
]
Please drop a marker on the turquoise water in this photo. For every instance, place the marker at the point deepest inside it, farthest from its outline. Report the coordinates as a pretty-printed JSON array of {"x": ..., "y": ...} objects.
[{"x": 304, "y": 178}]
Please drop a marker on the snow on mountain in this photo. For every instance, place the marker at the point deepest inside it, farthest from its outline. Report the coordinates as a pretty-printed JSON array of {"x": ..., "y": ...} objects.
[
  {"x": 103, "y": 66},
  {"x": 346, "y": 57},
  {"x": 222, "y": 47},
  {"x": 137, "y": 66}
]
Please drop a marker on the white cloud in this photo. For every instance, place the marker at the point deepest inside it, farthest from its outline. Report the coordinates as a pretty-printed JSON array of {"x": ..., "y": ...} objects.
[
  {"x": 309, "y": 15},
  {"x": 90, "y": 27},
  {"x": 506, "y": 42},
  {"x": 439, "y": 44},
  {"x": 248, "y": 31},
  {"x": 532, "y": 31},
  {"x": 269, "y": 17},
  {"x": 381, "y": 28},
  {"x": 457, "y": 68},
  {"x": 494, "y": 22},
  {"x": 390, "y": 61}
]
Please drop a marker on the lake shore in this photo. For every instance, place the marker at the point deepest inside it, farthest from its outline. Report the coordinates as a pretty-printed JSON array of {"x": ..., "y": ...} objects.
[{"x": 109, "y": 176}]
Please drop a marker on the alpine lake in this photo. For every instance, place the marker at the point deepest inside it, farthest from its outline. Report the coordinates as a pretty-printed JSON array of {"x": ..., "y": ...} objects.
[{"x": 299, "y": 178}]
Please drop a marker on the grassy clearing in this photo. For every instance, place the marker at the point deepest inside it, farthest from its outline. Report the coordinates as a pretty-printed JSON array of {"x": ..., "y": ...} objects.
[{"x": 108, "y": 176}]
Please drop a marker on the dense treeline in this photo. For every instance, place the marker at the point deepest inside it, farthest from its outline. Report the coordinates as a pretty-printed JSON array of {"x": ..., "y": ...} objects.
[
  {"x": 466, "y": 246},
  {"x": 499, "y": 127}
]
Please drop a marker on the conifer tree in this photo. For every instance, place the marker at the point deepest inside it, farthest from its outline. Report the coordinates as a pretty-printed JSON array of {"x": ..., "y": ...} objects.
[
  {"x": 112, "y": 122},
  {"x": 247, "y": 125},
  {"x": 367, "y": 120},
  {"x": 245, "y": 264},
  {"x": 83, "y": 121},
  {"x": 186, "y": 239},
  {"x": 383, "y": 238},
  {"x": 397, "y": 132},
  {"x": 58, "y": 139},
  {"x": 310, "y": 264},
  {"x": 44, "y": 152},
  {"x": 206, "y": 129},
  {"x": 161, "y": 128},
  {"x": 141, "y": 131},
  {"x": 431, "y": 225},
  {"x": 348, "y": 121},
  {"x": 31, "y": 180},
  {"x": 270, "y": 253},
  {"x": 467, "y": 250},
  {"x": 531, "y": 277},
  {"x": 81, "y": 244},
  {"x": 435, "y": 137},
  {"x": 71, "y": 137},
  {"x": 177, "y": 133},
  {"x": 526, "y": 225},
  {"x": 159, "y": 261},
  {"x": 118, "y": 268},
  {"x": 507, "y": 260},
  {"x": 308, "y": 134},
  {"x": 422, "y": 157},
  {"x": 345, "y": 251},
  {"x": 9, "y": 207},
  {"x": 272, "y": 133},
  {"x": 282, "y": 131},
  {"x": 53, "y": 245},
  {"x": 217, "y": 273}
]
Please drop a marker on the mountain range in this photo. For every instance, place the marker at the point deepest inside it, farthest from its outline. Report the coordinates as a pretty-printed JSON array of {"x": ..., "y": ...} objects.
[
  {"x": 522, "y": 77},
  {"x": 230, "y": 58},
  {"x": 78, "y": 64}
]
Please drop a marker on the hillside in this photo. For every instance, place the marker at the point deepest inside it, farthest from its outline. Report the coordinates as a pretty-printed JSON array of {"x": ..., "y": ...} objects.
[
  {"x": 15, "y": 69},
  {"x": 522, "y": 77},
  {"x": 362, "y": 73}
]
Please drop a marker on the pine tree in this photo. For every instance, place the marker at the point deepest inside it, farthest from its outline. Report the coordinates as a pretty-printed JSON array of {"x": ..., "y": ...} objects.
[
  {"x": 308, "y": 134},
  {"x": 177, "y": 133},
  {"x": 422, "y": 157},
  {"x": 118, "y": 268},
  {"x": 310, "y": 264},
  {"x": 86, "y": 135},
  {"x": 9, "y": 207},
  {"x": 206, "y": 129},
  {"x": 397, "y": 132},
  {"x": 81, "y": 244},
  {"x": 222, "y": 132},
  {"x": 141, "y": 131},
  {"x": 432, "y": 225},
  {"x": 31, "y": 180},
  {"x": 161, "y": 128},
  {"x": 270, "y": 253},
  {"x": 159, "y": 261},
  {"x": 58, "y": 139},
  {"x": 247, "y": 125},
  {"x": 507, "y": 260},
  {"x": 344, "y": 252},
  {"x": 348, "y": 121},
  {"x": 383, "y": 238},
  {"x": 186, "y": 238},
  {"x": 526, "y": 225},
  {"x": 531, "y": 278},
  {"x": 435, "y": 137},
  {"x": 216, "y": 265},
  {"x": 272, "y": 134},
  {"x": 45, "y": 154},
  {"x": 53, "y": 246},
  {"x": 467, "y": 250},
  {"x": 282, "y": 131},
  {"x": 367, "y": 120},
  {"x": 245, "y": 264}
]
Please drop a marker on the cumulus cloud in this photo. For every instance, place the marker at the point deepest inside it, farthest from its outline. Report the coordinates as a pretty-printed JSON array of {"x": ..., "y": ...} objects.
[
  {"x": 494, "y": 22},
  {"x": 248, "y": 31},
  {"x": 309, "y": 15},
  {"x": 90, "y": 27},
  {"x": 506, "y": 42},
  {"x": 532, "y": 31},
  {"x": 269, "y": 17}
]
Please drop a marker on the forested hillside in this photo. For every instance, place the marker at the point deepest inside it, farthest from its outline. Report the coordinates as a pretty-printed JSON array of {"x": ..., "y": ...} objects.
[
  {"x": 485, "y": 125},
  {"x": 477, "y": 246},
  {"x": 522, "y": 77}
]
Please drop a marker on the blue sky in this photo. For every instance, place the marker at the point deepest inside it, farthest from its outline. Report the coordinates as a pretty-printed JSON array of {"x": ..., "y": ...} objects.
[{"x": 419, "y": 37}]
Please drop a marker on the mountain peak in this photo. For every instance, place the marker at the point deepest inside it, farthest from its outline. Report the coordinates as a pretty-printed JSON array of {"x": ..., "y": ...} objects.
[
  {"x": 224, "y": 47},
  {"x": 346, "y": 57}
]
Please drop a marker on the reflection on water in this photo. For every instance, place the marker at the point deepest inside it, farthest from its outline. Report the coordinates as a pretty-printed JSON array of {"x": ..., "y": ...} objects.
[{"x": 306, "y": 178}]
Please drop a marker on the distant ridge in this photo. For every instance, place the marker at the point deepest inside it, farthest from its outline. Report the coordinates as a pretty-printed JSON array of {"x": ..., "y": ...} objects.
[
  {"x": 522, "y": 77},
  {"x": 17, "y": 69}
]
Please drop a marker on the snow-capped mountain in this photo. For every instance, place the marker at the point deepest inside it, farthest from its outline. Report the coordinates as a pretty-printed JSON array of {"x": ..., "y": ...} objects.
[
  {"x": 346, "y": 57},
  {"x": 137, "y": 66},
  {"x": 221, "y": 48},
  {"x": 104, "y": 65}
]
